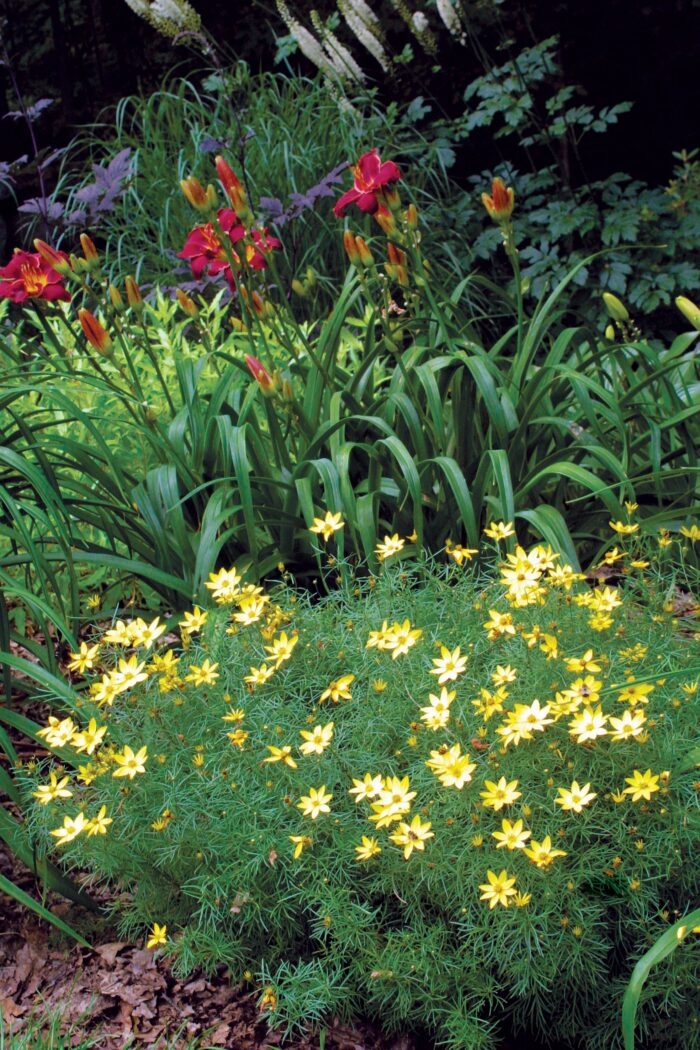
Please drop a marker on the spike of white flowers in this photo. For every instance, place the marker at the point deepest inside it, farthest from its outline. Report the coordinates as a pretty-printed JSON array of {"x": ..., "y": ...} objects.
[
  {"x": 450, "y": 16},
  {"x": 339, "y": 55},
  {"x": 353, "y": 13},
  {"x": 307, "y": 42}
]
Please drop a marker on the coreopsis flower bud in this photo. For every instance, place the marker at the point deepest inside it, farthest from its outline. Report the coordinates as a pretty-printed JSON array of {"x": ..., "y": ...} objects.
[
  {"x": 261, "y": 375},
  {"x": 116, "y": 297},
  {"x": 351, "y": 248},
  {"x": 58, "y": 261},
  {"x": 95, "y": 333},
  {"x": 687, "y": 307},
  {"x": 366, "y": 258},
  {"x": 186, "y": 304},
  {"x": 89, "y": 251},
  {"x": 617, "y": 310},
  {"x": 133, "y": 294},
  {"x": 500, "y": 203}
]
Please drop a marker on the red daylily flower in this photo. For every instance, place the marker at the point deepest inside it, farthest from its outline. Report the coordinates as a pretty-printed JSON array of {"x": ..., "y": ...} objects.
[
  {"x": 206, "y": 254},
  {"x": 29, "y": 276},
  {"x": 371, "y": 176}
]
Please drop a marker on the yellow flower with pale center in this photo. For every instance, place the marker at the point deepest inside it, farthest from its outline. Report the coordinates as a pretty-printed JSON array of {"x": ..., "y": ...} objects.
[
  {"x": 280, "y": 754},
  {"x": 412, "y": 836},
  {"x": 98, "y": 824},
  {"x": 367, "y": 788},
  {"x": 437, "y": 714},
  {"x": 238, "y": 737},
  {"x": 89, "y": 739},
  {"x": 499, "y": 888},
  {"x": 368, "y": 849},
  {"x": 501, "y": 794},
  {"x": 129, "y": 763},
  {"x": 55, "y": 788},
  {"x": 315, "y": 803},
  {"x": 259, "y": 675},
  {"x": 511, "y": 835},
  {"x": 224, "y": 586},
  {"x": 327, "y": 525},
  {"x": 316, "y": 740},
  {"x": 460, "y": 554},
  {"x": 586, "y": 664},
  {"x": 128, "y": 674},
  {"x": 588, "y": 725},
  {"x": 499, "y": 530},
  {"x": 449, "y": 666},
  {"x": 401, "y": 638},
  {"x": 635, "y": 693},
  {"x": 499, "y": 624},
  {"x": 72, "y": 827},
  {"x": 282, "y": 648},
  {"x": 157, "y": 936},
  {"x": 692, "y": 532},
  {"x": 451, "y": 767},
  {"x": 389, "y": 545},
  {"x": 573, "y": 799},
  {"x": 630, "y": 725},
  {"x": 393, "y": 801},
  {"x": 642, "y": 785},
  {"x": 503, "y": 675},
  {"x": 58, "y": 733},
  {"x": 550, "y": 646}
]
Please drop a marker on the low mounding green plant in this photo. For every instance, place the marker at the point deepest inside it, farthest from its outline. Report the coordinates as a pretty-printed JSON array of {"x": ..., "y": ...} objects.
[{"x": 437, "y": 796}]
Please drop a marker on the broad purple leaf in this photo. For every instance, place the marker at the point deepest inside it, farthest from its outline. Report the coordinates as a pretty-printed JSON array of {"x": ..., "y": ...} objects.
[{"x": 48, "y": 209}]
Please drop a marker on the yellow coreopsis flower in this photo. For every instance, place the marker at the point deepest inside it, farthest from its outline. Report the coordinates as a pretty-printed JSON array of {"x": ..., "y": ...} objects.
[
  {"x": 499, "y": 888},
  {"x": 281, "y": 754},
  {"x": 99, "y": 823},
  {"x": 499, "y": 530},
  {"x": 490, "y": 703},
  {"x": 300, "y": 844},
  {"x": 449, "y": 666},
  {"x": 389, "y": 545},
  {"x": 692, "y": 533},
  {"x": 72, "y": 827},
  {"x": 393, "y": 801},
  {"x": 573, "y": 799},
  {"x": 630, "y": 725},
  {"x": 635, "y": 693},
  {"x": 128, "y": 674},
  {"x": 118, "y": 634},
  {"x": 461, "y": 554},
  {"x": 401, "y": 638},
  {"x": 588, "y": 725},
  {"x": 504, "y": 675},
  {"x": 282, "y": 648},
  {"x": 316, "y": 740},
  {"x": 437, "y": 714},
  {"x": 367, "y": 788},
  {"x": 338, "y": 690},
  {"x": 58, "y": 732},
  {"x": 412, "y": 836},
  {"x": 193, "y": 621},
  {"x": 129, "y": 763},
  {"x": 499, "y": 624},
  {"x": 512, "y": 835},
  {"x": 315, "y": 803},
  {"x": 452, "y": 768},
  {"x": 224, "y": 586},
  {"x": 84, "y": 659},
  {"x": 238, "y": 737},
  {"x": 541, "y": 853},
  {"x": 145, "y": 634},
  {"x": 204, "y": 674},
  {"x": 55, "y": 788},
  {"x": 259, "y": 675},
  {"x": 641, "y": 785},
  {"x": 623, "y": 529},
  {"x": 89, "y": 739},
  {"x": 369, "y": 848},
  {"x": 157, "y": 936},
  {"x": 501, "y": 794},
  {"x": 586, "y": 664},
  {"x": 327, "y": 525}
]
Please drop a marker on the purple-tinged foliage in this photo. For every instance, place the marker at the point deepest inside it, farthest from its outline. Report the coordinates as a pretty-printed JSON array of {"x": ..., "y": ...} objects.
[{"x": 300, "y": 202}]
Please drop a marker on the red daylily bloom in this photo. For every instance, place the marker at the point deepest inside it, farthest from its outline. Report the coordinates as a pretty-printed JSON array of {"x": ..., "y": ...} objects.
[
  {"x": 29, "y": 276},
  {"x": 371, "y": 177},
  {"x": 206, "y": 254}
]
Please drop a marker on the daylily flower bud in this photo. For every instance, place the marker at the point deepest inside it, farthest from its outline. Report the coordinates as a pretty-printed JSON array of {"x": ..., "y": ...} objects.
[
  {"x": 89, "y": 251},
  {"x": 299, "y": 289},
  {"x": 610, "y": 333},
  {"x": 500, "y": 203},
  {"x": 77, "y": 264},
  {"x": 687, "y": 307},
  {"x": 187, "y": 304},
  {"x": 385, "y": 219},
  {"x": 56, "y": 260},
  {"x": 617, "y": 310},
  {"x": 133, "y": 294},
  {"x": 116, "y": 297},
  {"x": 366, "y": 258},
  {"x": 351, "y": 248},
  {"x": 195, "y": 193},
  {"x": 396, "y": 267},
  {"x": 261, "y": 375},
  {"x": 412, "y": 217},
  {"x": 95, "y": 333},
  {"x": 227, "y": 177}
]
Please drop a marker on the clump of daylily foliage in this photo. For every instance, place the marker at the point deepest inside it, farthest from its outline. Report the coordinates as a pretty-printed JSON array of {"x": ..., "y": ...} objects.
[{"x": 455, "y": 789}]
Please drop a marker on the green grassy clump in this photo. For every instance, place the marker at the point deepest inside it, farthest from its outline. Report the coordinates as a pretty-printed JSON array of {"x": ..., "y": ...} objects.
[{"x": 209, "y": 827}]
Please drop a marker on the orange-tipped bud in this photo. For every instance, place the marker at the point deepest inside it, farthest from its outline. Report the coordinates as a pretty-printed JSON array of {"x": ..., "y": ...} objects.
[
  {"x": 385, "y": 219},
  {"x": 258, "y": 304},
  {"x": 187, "y": 304},
  {"x": 351, "y": 248},
  {"x": 412, "y": 217},
  {"x": 238, "y": 325},
  {"x": 396, "y": 256},
  {"x": 53, "y": 257},
  {"x": 195, "y": 193},
  {"x": 133, "y": 294},
  {"x": 89, "y": 251},
  {"x": 261, "y": 375},
  {"x": 500, "y": 203},
  {"x": 229, "y": 180},
  {"x": 95, "y": 333},
  {"x": 364, "y": 252},
  {"x": 116, "y": 297}
]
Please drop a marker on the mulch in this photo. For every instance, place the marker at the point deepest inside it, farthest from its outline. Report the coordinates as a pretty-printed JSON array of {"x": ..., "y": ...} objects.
[{"x": 118, "y": 993}]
